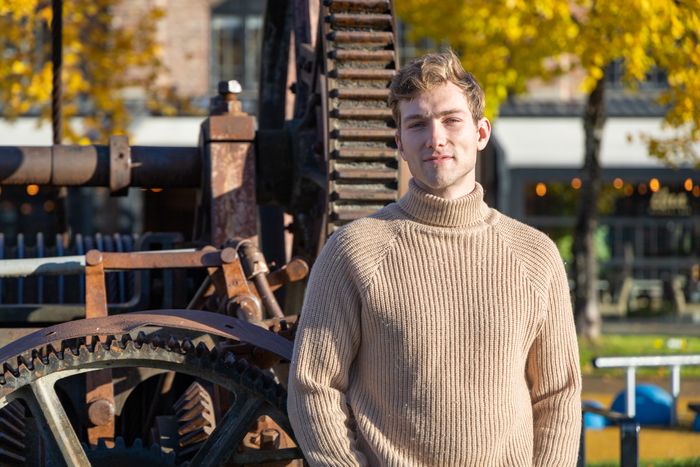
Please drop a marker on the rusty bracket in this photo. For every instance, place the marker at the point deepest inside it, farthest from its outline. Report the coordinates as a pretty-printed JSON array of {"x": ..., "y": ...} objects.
[
  {"x": 99, "y": 391},
  {"x": 230, "y": 284},
  {"x": 95, "y": 289},
  {"x": 98, "y": 384},
  {"x": 119, "y": 165},
  {"x": 296, "y": 270}
]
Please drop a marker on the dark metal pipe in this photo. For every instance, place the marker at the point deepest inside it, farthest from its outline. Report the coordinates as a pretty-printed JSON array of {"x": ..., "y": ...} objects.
[
  {"x": 166, "y": 167},
  {"x": 66, "y": 165}
]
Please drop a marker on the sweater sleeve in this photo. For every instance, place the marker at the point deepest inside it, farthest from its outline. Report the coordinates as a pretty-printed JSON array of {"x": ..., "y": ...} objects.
[
  {"x": 554, "y": 377},
  {"x": 325, "y": 346}
]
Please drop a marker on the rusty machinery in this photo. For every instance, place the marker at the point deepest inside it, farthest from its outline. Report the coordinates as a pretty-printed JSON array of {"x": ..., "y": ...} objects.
[{"x": 203, "y": 384}]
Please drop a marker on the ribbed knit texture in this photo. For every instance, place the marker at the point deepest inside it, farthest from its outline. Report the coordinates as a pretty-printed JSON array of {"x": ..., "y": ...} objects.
[{"x": 437, "y": 333}]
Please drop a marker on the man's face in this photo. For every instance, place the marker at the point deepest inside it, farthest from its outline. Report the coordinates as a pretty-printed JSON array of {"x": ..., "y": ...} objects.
[{"x": 439, "y": 140}]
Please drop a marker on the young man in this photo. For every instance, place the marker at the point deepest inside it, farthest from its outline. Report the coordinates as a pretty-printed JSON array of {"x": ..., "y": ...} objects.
[{"x": 437, "y": 332}]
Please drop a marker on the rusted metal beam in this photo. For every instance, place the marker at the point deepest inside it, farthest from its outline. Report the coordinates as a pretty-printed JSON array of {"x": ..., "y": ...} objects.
[{"x": 229, "y": 207}]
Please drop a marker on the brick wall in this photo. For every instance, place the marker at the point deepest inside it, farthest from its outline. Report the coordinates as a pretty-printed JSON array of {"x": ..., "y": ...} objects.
[{"x": 184, "y": 35}]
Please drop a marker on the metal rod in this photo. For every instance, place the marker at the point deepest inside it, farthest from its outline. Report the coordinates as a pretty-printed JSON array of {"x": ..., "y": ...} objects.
[
  {"x": 630, "y": 388},
  {"x": 675, "y": 391},
  {"x": 57, "y": 265},
  {"x": 268, "y": 298},
  {"x": 647, "y": 360},
  {"x": 629, "y": 444},
  {"x": 57, "y": 66}
]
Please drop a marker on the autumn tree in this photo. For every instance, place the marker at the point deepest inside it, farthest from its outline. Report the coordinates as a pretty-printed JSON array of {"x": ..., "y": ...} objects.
[
  {"x": 506, "y": 43},
  {"x": 102, "y": 58}
]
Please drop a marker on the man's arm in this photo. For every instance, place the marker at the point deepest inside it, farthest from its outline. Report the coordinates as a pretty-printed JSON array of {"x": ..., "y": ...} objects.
[
  {"x": 325, "y": 347},
  {"x": 554, "y": 377}
]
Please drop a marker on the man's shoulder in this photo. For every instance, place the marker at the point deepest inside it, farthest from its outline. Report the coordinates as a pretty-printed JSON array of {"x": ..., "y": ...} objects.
[
  {"x": 377, "y": 228},
  {"x": 363, "y": 242},
  {"x": 533, "y": 249},
  {"x": 524, "y": 238}
]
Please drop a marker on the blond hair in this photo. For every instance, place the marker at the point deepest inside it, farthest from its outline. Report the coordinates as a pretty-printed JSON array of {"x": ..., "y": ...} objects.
[{"x": 429, "y": 71}]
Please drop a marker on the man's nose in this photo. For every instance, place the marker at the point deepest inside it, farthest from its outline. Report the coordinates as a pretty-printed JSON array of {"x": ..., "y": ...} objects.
[{"x": 438, "y": 135}]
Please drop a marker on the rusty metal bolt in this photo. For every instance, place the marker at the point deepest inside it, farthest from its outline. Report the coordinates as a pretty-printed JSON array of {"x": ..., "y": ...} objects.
[
  {"x": 100, "y": 412},
  {"x": 245, "y": 307},
  {"x": 228, "y": 255},
  {"x": 93, "y": 257},
  {"x": 270, "y": 439},
  {"x": 229, "y": 87}
]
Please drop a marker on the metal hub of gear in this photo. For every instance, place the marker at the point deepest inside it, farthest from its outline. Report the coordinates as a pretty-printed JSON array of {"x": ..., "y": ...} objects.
[{"x": 30, "y": 376}]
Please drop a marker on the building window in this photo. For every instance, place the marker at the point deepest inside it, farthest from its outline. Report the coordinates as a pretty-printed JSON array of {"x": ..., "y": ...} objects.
[{"x": 236, "y": 44}]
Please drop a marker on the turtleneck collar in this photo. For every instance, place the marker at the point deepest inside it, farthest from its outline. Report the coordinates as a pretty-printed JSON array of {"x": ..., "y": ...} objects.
[{"x": 429, "y": 209}]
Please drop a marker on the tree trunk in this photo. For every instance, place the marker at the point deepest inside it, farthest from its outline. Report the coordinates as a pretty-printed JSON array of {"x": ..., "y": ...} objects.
[{"x": 588, "y": 322}]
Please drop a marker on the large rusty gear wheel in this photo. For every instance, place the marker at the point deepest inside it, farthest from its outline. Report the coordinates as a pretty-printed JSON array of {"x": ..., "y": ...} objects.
[
  {"x": 31, "y": 375},
  {"x": 344, "y": 161}
]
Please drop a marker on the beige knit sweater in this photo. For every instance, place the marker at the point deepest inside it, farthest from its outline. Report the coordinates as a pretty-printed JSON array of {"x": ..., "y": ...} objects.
[{"x": 437, "y": 333}]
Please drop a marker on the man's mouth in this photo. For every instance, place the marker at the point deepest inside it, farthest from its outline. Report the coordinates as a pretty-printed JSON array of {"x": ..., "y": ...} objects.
[{"x": 438, "y": 158}]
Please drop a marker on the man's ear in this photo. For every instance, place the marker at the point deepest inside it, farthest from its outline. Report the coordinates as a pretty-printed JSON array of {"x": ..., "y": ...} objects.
[
  {"x": 397, "y": 138},
  {"x": 483, "y": 128}
]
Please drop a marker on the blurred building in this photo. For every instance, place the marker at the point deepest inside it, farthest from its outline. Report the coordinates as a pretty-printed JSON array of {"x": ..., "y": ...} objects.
[{"x": 649, "y": 225}]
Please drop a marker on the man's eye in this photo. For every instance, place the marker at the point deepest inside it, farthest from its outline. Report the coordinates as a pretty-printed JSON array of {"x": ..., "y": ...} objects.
[
  {"x": 452, "y": 120},
  {"x": 416, "y": 125}
]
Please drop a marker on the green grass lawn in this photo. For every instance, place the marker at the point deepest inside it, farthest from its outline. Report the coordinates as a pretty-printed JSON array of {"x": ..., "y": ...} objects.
[
  {"x": 694, "y": 462},
  {"x": 613, "y": 345}
]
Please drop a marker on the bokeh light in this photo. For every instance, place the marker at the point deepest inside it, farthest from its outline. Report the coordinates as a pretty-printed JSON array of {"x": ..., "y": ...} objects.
[{"x": 541, "y": 189}]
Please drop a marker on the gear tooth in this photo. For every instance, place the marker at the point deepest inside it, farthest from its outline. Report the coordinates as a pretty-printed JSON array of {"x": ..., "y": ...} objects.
[
  {"x": 201, "y": 349},
  {"x": 157, "y": 340},
  {"x": 38, "y": 362},
  {"x": 95, "y": 343},
  {"x": 138, "y": 443},
  {"x": 187, "y": 345},
  {"x": 101, "y": 444},
  {"x": 241, "y": 365},
  {"x": 108, "y": 341},
  {"x": 24, "y": 363},
  {"x": 54, "y": 357},
  {"x": 119, "y": 442},
  {"x": 51, "y": 350},
  {"x": 229, "y": 359},
  {"x": 115, "y": 345},
  {"x": 126, "y": 339},
  {"x": 141, "y": 338},
  {"x": 8, "y": 368},
  {"x": 70, "y": 345},
  {"x": 282, "y": 402},
  {"x": 214, "y": 354},
  {"x": 173, "y": 344},
  {"x": 267, "y": 382}
]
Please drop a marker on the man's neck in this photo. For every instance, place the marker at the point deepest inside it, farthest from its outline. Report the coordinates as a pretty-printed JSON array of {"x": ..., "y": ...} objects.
[{"x": 451, "y": 192}]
